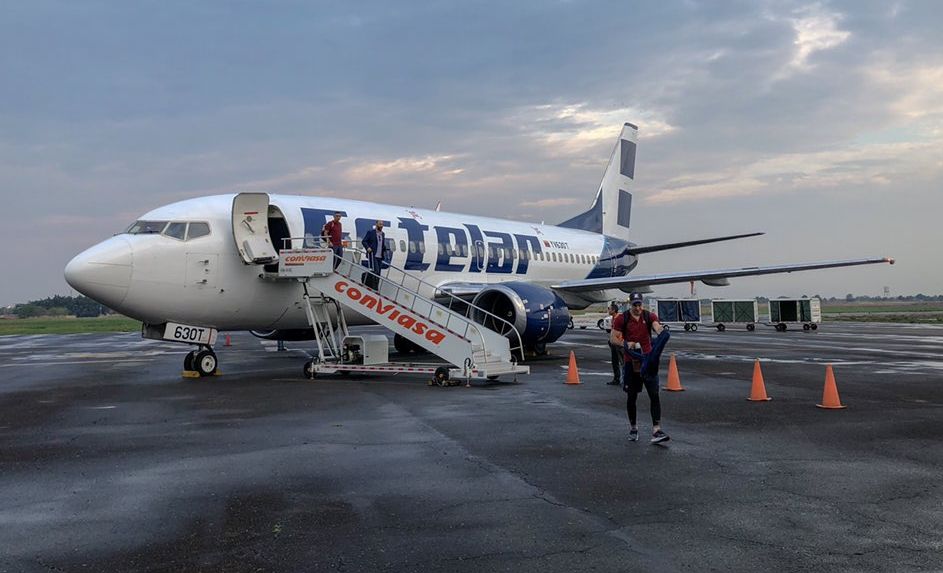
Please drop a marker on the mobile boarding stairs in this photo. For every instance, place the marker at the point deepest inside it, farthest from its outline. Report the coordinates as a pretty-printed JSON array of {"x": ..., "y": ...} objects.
[{"x": 443, "y": 324}]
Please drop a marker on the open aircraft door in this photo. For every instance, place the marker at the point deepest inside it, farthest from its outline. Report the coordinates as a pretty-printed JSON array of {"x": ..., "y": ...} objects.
[{"x": 250, "y": 228}]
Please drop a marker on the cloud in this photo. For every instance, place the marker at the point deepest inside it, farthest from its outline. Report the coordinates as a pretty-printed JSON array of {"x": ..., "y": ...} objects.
[
  {"x": 846, "y": 168},
  {"x": 555, "y": 202},
  {"x": 403, "y": 169},
  {"x": 815, "y": 29},
  {"x": 574, "y": 128},
  {"x": 917, "y": 88},
  {"x": 304, "y": 176}
]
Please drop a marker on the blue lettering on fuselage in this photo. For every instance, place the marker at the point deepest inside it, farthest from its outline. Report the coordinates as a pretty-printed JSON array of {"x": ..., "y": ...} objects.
[
  {"x": 414, "y": 238},
  {"x": 446, "y": 250},
  {"x": 528, "y": 246},
  {"x": 453, "y": 245},
  {"x": 477, "y": 245},
  {"x": 500, "y": 251}
]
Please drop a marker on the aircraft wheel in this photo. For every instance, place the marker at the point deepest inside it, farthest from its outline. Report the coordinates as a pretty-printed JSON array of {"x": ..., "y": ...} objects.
[
  {"x": 815, "y": 326},
  {"x": 781, "y": 327},
  {"x": 569, "y": 325},
  {"x": 188, "y": 360},
  {"x": 441, "y": 375},
  {"x": 540, "y": 349},
  {"x": 693, "y": 328},
  {"x": 309, "y": 370},
  {"x": 751, "y": 327},
  {"x": 205, "y": 362},
  {"x": 721, "y": 327},
  {"x": 806, "y": 327}
]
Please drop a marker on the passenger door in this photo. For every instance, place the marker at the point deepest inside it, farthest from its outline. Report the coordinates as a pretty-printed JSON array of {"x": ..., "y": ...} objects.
[{"x": 250, "y": 228}]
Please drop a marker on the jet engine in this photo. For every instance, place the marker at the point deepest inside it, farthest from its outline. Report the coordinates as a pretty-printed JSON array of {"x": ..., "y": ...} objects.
[{"x": 536, "y": 312}]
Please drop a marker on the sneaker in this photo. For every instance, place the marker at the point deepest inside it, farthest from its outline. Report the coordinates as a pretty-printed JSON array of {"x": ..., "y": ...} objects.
[
  {"x": 613, "y": 382},
  {"x": 659, "y": 437},
  {"x": 633, "y": 435}
]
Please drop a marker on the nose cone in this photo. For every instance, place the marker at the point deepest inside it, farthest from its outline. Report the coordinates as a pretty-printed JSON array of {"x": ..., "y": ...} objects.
[{"x": 103, "y": 272}]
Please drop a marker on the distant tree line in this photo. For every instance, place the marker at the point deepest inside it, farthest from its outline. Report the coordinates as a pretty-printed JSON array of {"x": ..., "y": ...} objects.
[
  {"x": 864, "y": 298},
  {"x": 58, "y": 305}
]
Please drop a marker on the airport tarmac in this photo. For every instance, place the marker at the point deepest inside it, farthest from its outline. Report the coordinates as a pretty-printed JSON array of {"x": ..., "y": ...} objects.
[{"x": 110, "y": 461}]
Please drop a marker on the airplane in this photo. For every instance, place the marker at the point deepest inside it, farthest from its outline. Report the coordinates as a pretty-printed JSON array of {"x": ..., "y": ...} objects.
[{"x": 206, "y": 264}]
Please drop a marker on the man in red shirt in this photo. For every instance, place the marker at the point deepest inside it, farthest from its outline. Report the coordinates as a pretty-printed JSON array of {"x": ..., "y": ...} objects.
[
  {"x": 635, "y": 329},
  {"x": 332, "y": 233}
]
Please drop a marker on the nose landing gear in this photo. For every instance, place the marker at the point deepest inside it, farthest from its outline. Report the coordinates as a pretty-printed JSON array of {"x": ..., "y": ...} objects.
[{"x": 203, "y": 361}]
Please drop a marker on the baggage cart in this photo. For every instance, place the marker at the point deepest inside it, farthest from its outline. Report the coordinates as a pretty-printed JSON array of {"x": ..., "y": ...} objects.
[
  {"x": 726, "y": 312},
  {"x": 786, "y": 311},
  {"x": 678, "y": 312}
]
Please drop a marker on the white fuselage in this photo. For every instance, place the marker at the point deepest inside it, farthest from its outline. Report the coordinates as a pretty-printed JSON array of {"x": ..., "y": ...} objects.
[{"x": 203, "y": 281}]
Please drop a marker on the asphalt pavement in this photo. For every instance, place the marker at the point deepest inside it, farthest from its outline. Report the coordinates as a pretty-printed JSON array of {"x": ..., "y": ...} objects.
[{"x": 111, "y": 461}]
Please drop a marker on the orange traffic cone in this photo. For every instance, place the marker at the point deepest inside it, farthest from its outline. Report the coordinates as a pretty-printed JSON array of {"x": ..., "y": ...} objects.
[
  {"x": 830, "y": 400},
  {"x": 674, "y": 381},
  {"x": 572, "y": 373},
  {"x": 228, "y": 341},
  {"x": 758, "y": 391}
]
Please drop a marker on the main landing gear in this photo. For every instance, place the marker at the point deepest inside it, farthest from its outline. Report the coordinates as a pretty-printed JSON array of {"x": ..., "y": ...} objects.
[{"x": 203, "y": 361}]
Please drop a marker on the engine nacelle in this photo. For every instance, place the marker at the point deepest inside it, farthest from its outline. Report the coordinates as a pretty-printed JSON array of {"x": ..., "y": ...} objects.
[
  {"x": 536, "y": 312},
  {"x": 291, "y": 334}
]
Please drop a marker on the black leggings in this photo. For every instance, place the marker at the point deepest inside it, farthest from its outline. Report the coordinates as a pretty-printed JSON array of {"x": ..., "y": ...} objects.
[
  {"x": 634, "y": 390},
  {"x": 616, "y": 357}
]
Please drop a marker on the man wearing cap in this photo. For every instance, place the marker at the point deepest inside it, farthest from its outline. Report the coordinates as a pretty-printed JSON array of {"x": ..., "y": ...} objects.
[{"x": 634, "y": 328}]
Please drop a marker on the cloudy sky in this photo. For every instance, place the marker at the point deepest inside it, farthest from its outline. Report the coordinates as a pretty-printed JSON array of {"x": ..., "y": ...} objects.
[{"x": 820, "y": 123}]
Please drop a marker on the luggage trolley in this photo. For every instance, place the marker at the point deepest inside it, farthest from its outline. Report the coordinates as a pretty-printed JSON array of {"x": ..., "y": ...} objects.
[
  {"x": 804, "y": 311},
  {"x": 736, "y": 311},
  {"x": 678, "y": 311}
]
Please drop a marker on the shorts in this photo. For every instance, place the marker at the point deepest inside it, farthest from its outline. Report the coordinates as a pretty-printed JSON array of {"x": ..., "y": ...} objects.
[{"x": 632, "y": 381}]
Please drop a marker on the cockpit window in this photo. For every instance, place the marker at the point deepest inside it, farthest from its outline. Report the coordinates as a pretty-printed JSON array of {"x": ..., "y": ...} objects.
[
  {"x": 198, "y": 230},
  {"x": 146, "y": 227},
  {"x": 177, "y": 230}
]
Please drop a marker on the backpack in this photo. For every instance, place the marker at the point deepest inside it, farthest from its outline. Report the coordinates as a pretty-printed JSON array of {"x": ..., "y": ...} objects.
[
  {"x": 646, "y": 316},
  {"x": 626, "y": 317}
]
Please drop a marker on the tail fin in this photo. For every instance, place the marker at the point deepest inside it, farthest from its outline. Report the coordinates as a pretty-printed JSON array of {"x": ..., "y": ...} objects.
[{"x": 611, "y": 211}]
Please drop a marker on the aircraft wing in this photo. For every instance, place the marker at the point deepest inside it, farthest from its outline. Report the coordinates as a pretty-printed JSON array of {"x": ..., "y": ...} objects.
[
  {"x": 709, "y": 277},
  {"x": 641, "y": 249}
]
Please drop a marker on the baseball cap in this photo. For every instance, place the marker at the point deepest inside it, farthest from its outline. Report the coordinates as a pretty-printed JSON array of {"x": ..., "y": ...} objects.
[{"x": 635, "y": 297}]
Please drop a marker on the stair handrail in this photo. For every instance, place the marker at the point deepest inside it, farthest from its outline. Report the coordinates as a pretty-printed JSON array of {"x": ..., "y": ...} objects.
[{"x": 318, "y": 242}]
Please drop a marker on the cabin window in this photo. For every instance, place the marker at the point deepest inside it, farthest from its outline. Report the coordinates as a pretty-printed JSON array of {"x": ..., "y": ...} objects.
[
  {"x": 412, "y": 246},
  {"x": 422, "y": 247},
  {"x": 176, "y": 230},
  {"x": 402, "y": 245},
  {"x": 198, "y": 230},
  {"x": 146, "y": 227},
  {"x": 441, "y": 249}
]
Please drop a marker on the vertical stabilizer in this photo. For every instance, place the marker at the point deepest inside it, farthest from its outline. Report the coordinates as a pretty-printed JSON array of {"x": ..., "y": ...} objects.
[{"x": 611, "y": 212}]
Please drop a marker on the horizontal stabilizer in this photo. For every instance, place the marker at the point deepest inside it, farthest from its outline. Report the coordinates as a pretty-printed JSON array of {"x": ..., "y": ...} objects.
[{"x": 638, "y": 250}]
